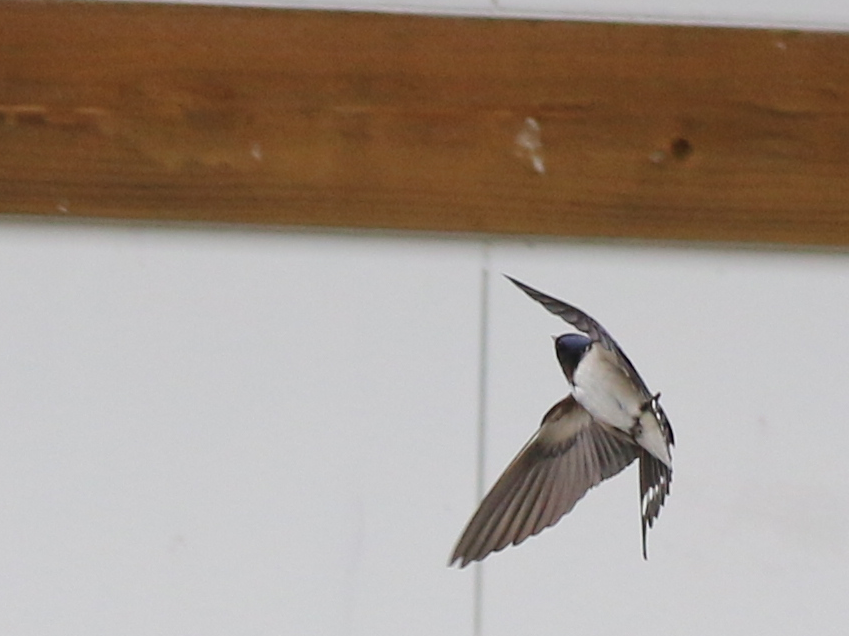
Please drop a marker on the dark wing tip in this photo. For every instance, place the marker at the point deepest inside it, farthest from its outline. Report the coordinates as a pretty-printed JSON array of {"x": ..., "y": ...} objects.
[
  {"x": 569, "y": 313},
  {"x": 462, "y": 558},
  {"x": 456, "y": 557},
  {"x": 530, "y": 291}
]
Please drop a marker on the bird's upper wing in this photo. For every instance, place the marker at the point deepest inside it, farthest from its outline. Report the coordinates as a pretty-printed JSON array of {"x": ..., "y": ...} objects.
[
  {"x": 596, "y": 332},
  {"x": 587, "y": 324},
  {"x": 569, "y": 454}
]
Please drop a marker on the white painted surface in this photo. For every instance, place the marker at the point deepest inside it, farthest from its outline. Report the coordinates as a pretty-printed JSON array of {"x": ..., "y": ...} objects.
[
  {"x": 747, "y": 348},
  {"x": 820, "y": 14},
  {"x": 231, "y": 432},
  {"x": 816, "y": 14},
  {"x": 211, "y": 431}
]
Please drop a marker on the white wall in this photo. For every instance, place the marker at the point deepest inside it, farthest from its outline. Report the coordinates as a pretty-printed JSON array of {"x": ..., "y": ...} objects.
[
  {"x": 226, "y": 432},
  {"x": 217, "y": 431},
  {"x": 748, "y": 349}
]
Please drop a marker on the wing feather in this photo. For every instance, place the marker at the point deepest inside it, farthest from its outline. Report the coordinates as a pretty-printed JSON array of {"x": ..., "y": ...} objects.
[
  {"x": 569, "y": 454},
  {"x": 587, "y": 324}
]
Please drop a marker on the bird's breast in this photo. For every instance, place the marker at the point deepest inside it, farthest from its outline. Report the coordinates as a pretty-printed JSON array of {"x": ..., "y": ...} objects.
[
  {"x": 604, "y": 390},
  {"x": 609, "y": 395}
]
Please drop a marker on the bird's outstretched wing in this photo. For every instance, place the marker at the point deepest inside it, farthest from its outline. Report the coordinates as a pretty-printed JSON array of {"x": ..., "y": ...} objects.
[{"x": 569, "y": 454}]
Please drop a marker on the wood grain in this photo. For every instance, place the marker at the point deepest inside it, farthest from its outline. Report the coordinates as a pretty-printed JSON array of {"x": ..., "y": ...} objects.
[{"x": 427, "y": 123}]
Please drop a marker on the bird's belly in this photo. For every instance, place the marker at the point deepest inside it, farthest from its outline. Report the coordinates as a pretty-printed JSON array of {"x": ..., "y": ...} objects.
[
  {"x": 606, "y": 393},
  {"x": 608, "y": 397}
]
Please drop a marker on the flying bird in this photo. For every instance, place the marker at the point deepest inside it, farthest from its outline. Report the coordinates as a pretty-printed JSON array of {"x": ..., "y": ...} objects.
[{"x": 608, "y": 420}]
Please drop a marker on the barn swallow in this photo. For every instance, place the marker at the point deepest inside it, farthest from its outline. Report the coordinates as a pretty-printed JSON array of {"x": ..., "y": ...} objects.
[{"x": 608, "y": 420}]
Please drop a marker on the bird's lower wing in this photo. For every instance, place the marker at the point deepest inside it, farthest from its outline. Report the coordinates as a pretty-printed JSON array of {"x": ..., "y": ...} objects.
[
  {"x": 655, "y": 482},
  {"x": 569, "y": 454}
]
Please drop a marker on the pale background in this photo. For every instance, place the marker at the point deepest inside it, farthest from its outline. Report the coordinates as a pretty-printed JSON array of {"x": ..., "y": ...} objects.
[
  {"x": 211, "y": 431},
  {"x": 813, "y": 14}
]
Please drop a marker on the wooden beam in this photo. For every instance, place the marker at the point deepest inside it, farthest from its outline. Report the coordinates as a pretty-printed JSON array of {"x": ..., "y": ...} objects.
[{"x": 427, "y": 123}]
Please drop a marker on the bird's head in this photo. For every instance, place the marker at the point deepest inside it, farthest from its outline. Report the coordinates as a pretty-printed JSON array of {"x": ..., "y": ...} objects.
[{"x": 570, "y": 348}]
